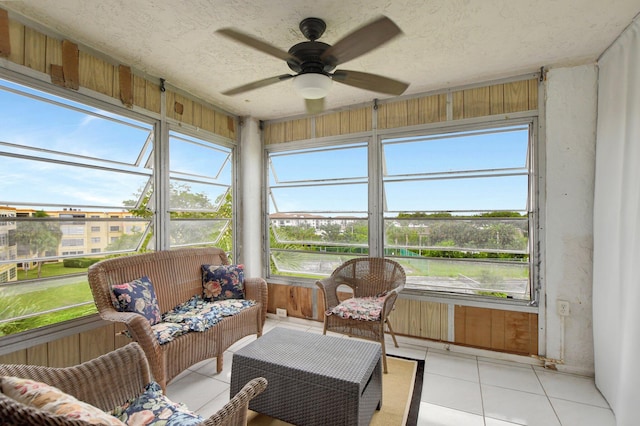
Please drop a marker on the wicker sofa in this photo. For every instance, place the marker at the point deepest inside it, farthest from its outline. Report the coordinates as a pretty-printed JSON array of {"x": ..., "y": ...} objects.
[
  {"x": 176, "y": 276},
  {"x": 104, "y": 384}
]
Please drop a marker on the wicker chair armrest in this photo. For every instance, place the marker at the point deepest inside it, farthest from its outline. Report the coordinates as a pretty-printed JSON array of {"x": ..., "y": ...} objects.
[
  {"x": 256, "y": 289},
  {"x": 329, "y": 287},
  {"x": 390, "y": 300},
  {"x": 234, "y": 412},
  {"x": 104, "y": 382}
]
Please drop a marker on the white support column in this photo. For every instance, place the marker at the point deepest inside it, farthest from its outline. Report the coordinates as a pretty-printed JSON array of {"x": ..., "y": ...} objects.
[{"x": 250, "y": 218}]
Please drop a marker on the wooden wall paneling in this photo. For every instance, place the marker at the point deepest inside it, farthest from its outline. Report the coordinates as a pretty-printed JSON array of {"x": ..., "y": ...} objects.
[
  {"x": 208, "y": 119},
  {"x": 275, "y": 133},
  {"x": 278, "y": 297},
  {"x": 187, "y": 109},
  {"x": 533, "y": 333},
  {"x": 345, "y": 122},
  {"x": 328, "y": 125},
  {"x": 415, "y": 321},
  {"x": 360, "y": 120},
  {"x": 397, "y": 114},
  {"x": 17, "y": 357},
  {"x": 16, "y": 38},
  {"x": 444, "y": 321},
  {"x": 516, "y": 96},
  {"x": 399, "y": 317},
  {"x": 170, "y": 99},
  {"x": 430, "y": 317},
  {"x": 458, "y": 105},
  {"x": 153, "y": 100},
  {"x": 459, "y": 323},
  {"x": 197, "y": 114},
  {"x": 64, "y": 352},
  {"x": 38, "y": 355},
  {"x": 5, "y": 40},
  {"x": 533, "y": 94},
  {"x": 517, "y": 336},
  {"x": 476, "y": 102},
  {"x": 221, "y": 124},
  {"x": 496, "y": 95},
  {"x": 124, "y": 84},
  {"x": 35, "y": 45},
  {"x": 296, "y": 130},
  {"x": 53, "y": 53},
  {"x": 414, "y": 112},
  {"x": 96, "y": 342},
  {"x": 478, "y": 326},
  {"x": 381, "y": 116},
  {"x": 498, "y": 337},
  {"x": 95, "y": 74},
  {"x": 139, "y": 91},
  {"x": 300, "y": 302}
]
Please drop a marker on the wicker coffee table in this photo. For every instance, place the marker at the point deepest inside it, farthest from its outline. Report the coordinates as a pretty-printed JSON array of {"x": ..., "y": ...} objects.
[{"x": 313, "y": 379}]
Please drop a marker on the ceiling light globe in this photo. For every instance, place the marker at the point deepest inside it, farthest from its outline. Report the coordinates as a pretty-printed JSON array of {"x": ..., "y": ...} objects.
[{"x": 312, "y": 85}]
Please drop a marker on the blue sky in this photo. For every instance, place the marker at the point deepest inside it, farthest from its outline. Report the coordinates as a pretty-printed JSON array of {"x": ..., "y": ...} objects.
[{"x": 64, "y": 134}]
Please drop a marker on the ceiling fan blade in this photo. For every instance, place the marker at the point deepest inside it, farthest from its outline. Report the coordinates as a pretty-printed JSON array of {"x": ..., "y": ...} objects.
[
  {"x": 375, "y": 83},
  {"x": 257, "y": 44},
  {"x": 258, "y": 84},
  {"x": 314, "y": 106},
  {"x": 361, "y": 41}
]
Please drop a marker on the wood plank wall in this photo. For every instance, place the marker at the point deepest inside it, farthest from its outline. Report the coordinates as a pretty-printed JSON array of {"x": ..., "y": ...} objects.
[
  {"x": 496, "y": 99},
  {"x": 480, "y": 327},
  {"x": 44, "y": 53},
  {"x": 70, "y": 350}
]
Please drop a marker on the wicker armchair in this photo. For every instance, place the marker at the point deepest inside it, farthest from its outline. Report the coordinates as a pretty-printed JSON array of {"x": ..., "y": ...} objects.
[
  {"x": 103, "y": 383},
  {"x": 367, "y": 277}
]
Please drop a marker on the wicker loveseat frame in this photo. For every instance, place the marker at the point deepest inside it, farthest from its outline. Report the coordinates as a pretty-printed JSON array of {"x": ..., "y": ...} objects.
[
  {"x": 105, "y": 384},
  {"x": 176, "y": 277}
]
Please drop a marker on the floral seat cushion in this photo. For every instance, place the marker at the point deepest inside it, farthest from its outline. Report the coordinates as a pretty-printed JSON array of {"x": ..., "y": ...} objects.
[
  {"x": 153, "y": 408},
  {"x": 199, "y": 315},
  {"x": 359, "y": 308}
]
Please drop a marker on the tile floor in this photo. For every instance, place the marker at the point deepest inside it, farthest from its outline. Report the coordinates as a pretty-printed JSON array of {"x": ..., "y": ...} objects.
[{"x": 459, "y": 389}]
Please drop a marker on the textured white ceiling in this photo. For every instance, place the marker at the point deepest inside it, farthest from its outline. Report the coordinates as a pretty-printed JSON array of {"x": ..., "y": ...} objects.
[{"x": 445, "y": 42}]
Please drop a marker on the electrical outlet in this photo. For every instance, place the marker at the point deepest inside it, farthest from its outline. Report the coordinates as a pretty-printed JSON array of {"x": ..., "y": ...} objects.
[
  {"x": 281, "y": 312},
  {"x": 564, "y": 308}
]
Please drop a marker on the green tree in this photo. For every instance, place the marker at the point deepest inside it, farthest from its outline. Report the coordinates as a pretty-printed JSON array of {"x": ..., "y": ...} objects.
[{"x": 38, "y": 237}]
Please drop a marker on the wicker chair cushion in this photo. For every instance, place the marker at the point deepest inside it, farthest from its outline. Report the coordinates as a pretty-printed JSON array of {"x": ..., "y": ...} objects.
[
  {"x": 199, "y": 315},
  {"x": 221, "y": 282},
  {"x": 359, "y": 308},
  {"x": 153, "y": 408},
  {"x": 137, "y": 296},
  {"x": 52, "y": 400}
]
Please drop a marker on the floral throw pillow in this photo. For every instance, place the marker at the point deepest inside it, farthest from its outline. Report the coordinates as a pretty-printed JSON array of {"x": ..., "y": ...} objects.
[
  {"x": 222, "y": 282},
  {"x": 51, "y": 399},
  {"x": 137, "y": 296},
  {"x": 153, "y": 408}
]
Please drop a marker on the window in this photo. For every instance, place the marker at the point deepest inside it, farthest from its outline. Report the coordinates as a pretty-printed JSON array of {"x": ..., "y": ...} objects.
[
  {"x": 318, "y": 204},
  {"x": 200, "y": 198},
  {"x": 453, "y": 205},
  {"x": 457, "y": 210},
  {"x": 64, "y": 167}
]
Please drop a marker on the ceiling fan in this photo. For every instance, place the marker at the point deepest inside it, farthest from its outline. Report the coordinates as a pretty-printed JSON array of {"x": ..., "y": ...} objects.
[{"x": 314, "y": 61}]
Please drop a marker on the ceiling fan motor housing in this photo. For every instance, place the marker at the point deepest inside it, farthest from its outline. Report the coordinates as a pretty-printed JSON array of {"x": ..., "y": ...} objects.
[{"x": 309, "y": 52}]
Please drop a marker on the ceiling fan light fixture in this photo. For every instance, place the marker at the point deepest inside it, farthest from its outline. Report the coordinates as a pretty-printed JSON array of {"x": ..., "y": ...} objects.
[{"x": 312, "y": 85}]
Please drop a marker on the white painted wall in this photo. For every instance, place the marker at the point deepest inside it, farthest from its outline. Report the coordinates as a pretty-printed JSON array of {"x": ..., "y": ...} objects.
[
  {"x": 251, "y": 204},
  {"x": 570, "y": 114}
]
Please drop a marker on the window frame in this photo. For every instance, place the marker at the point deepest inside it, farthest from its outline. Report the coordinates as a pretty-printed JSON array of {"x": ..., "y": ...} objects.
[
  {"x": 376, "y": 200},
  {"x": 159, "y": 124}
]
